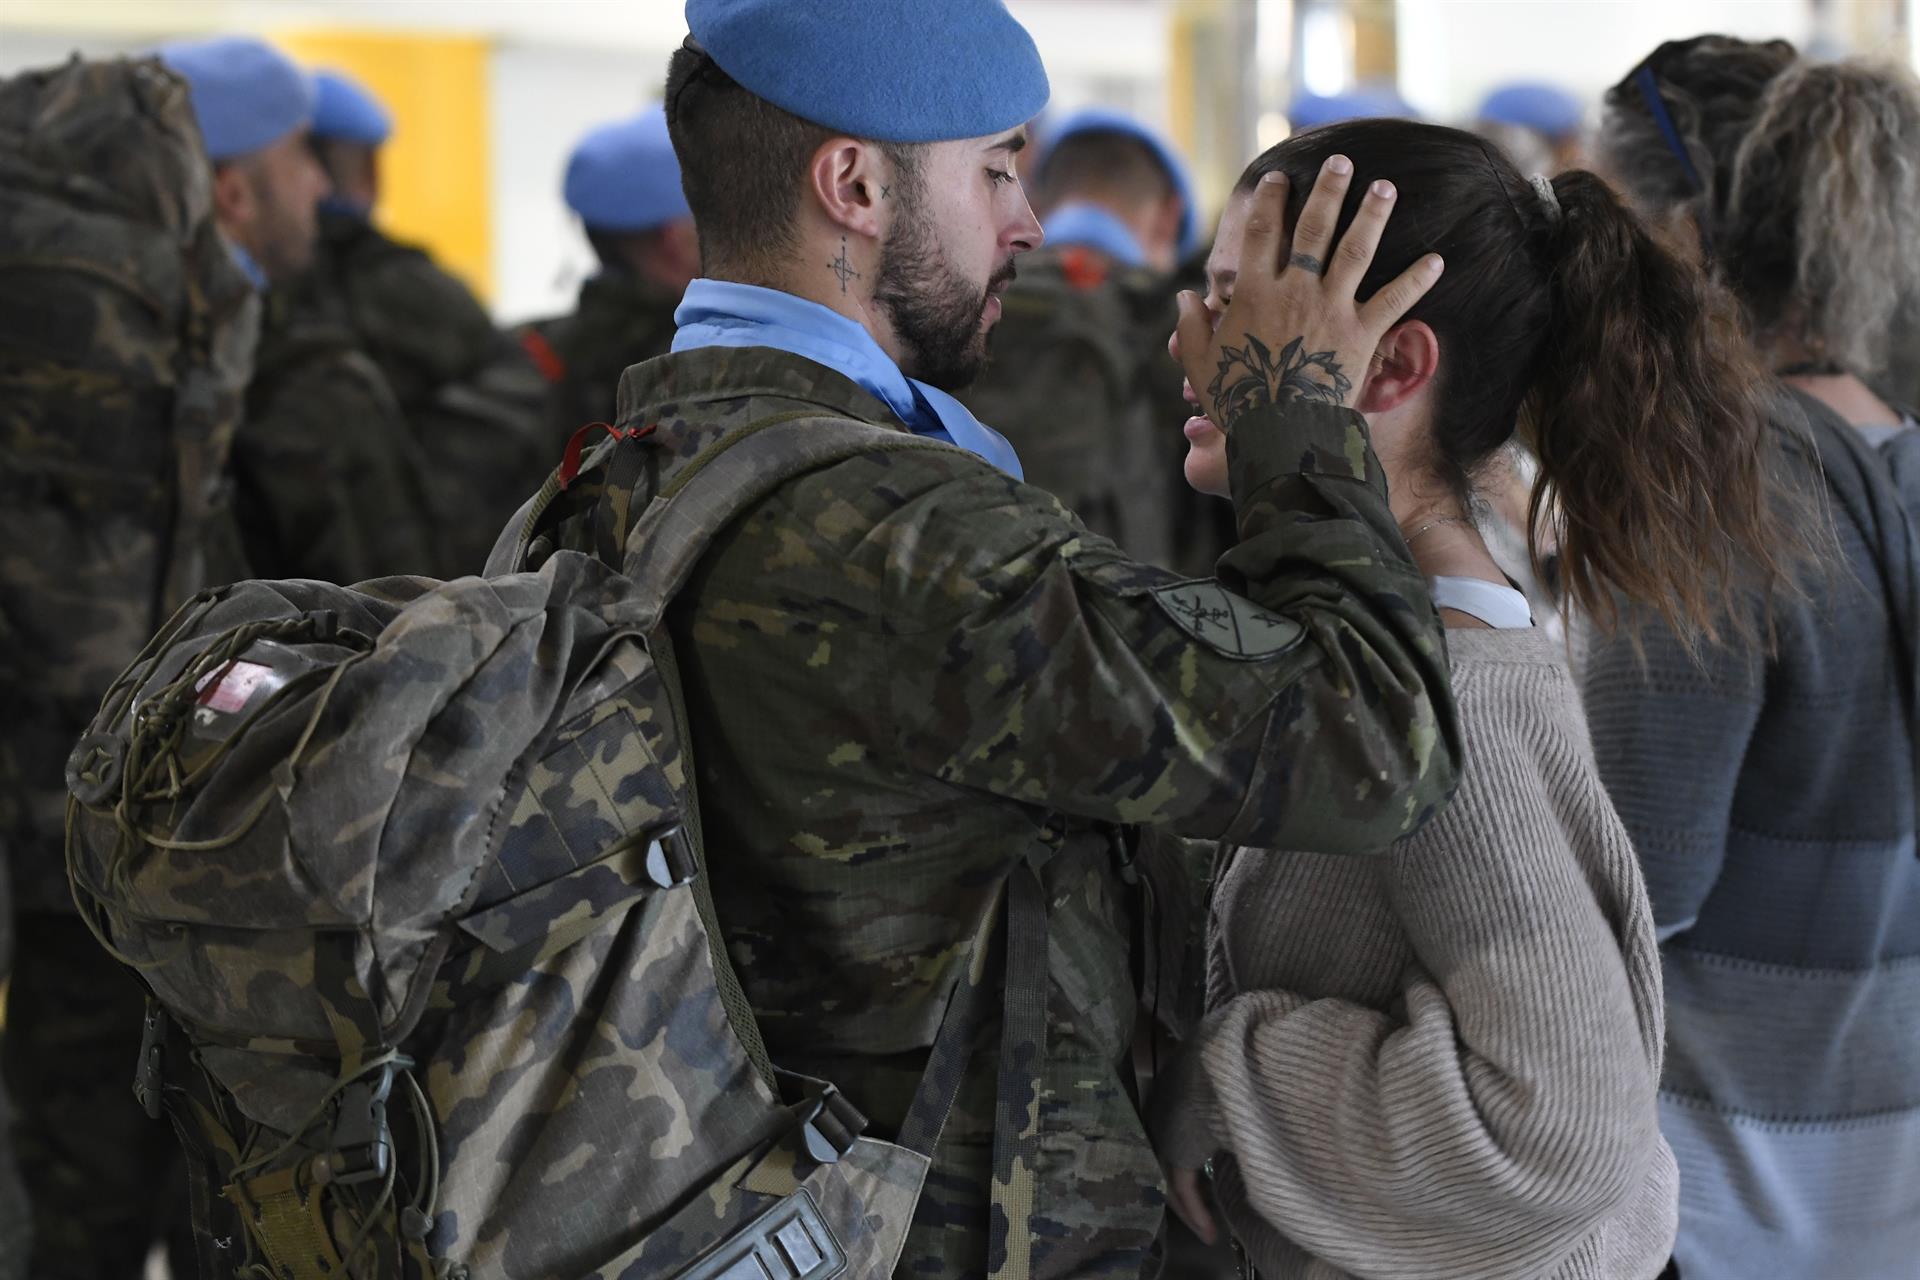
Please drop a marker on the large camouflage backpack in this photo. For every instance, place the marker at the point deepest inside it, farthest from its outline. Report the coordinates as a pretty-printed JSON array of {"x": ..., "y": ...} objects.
[
  {"x": 1063, "y": 385},
  {"x": 126, "y": 333},
  {"x": 414, "y": 874}
]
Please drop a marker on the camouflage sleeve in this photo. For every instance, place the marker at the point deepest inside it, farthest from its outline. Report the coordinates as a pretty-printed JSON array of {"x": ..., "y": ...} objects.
[
  {"x": 1297, "y": 700},
  {"x": 327, "y": 478}
]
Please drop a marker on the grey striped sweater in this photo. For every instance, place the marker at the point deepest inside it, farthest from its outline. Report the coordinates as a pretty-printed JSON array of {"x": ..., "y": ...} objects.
[
  {"x": 1773, "y": 805},
  {"x": 1441, "y": 1061}
]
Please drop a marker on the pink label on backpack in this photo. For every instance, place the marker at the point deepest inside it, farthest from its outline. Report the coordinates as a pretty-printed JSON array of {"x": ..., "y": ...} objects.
[{"x": 229, "y": 688}]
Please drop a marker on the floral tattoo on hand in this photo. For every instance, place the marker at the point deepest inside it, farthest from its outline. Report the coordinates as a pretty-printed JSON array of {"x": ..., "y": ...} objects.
[{"x": 1253, "y": 377}]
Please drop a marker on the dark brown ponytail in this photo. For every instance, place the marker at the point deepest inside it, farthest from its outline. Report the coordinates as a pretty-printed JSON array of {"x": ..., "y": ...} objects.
[
  {"x": 1647, "y": 413},
  {"x": 1561, "y": 317}
]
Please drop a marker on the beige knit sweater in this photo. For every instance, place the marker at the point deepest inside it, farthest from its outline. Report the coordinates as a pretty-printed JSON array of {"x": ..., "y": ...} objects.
[{"x": 1441, "y": 1062}]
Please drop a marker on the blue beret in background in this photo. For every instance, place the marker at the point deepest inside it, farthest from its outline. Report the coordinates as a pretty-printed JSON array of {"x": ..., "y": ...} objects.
[
  {"x": 1107, "y": 120},
  {"x": 1544, "y": 108},
  {"x": 247, "y": 95},
  {"x": 623, "y": 177},
  {"x": 891, "y": 70},
  {"x": 344, "y": 110},
  {"x": 1310, "y": 110}
]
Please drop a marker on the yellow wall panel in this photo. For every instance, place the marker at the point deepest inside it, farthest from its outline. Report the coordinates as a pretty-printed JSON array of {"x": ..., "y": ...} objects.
[{"x": 435, "y": 172}]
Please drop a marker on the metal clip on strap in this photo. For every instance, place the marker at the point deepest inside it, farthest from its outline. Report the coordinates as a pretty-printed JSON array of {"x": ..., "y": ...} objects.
[{"x": 149, "y": 1075}]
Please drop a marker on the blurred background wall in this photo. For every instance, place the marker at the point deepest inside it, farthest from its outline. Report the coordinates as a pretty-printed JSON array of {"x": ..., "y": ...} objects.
[{"x": 489, "y": 95}]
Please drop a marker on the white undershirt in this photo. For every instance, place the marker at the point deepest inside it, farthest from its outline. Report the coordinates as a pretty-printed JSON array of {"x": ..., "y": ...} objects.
[
  {"x": 1494, "y": 604},
  {"x": 1878, "y": 433}
]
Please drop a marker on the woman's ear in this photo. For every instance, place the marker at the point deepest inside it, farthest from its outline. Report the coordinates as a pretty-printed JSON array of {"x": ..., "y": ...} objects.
[{"x": 1403, "y": 364}]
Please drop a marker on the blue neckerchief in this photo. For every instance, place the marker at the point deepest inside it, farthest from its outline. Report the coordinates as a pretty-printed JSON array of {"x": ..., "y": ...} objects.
[
  {"x": 1077, "y": 222},
  {"x": 719, "y": 313},
  {"x": 248, "y": 267},
  {"x": 347, "y": 208}
]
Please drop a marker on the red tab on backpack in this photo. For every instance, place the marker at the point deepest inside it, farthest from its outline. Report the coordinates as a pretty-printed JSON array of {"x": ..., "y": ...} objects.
[{"x": 577, "y": 445}]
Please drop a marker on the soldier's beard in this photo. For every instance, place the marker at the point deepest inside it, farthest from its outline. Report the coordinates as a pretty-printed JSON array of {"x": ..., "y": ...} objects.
[
  {"x": 284, "y": 235},
  {"x": 936, "y": 311}
]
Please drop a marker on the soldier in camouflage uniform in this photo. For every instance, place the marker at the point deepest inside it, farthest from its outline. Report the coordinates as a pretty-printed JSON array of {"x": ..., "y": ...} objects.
[
  {"x": 1079, "y": 379},
  {"x": 125, "y": 342},
  {"x": 909, "y": 674},
  {"x": 624, "y": 183},
  {"x": 454, "y": 373},
  {"x": 329, "y": 483}
]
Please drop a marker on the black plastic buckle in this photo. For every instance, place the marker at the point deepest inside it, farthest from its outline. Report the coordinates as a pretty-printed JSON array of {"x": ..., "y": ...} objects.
[
  {"x": 149, "y": 1072},
  {"x": 670, "y": 859},
  {"x": 831, "y": 1127},
  {"x": 361, "y": 1148},
  {"x": 790, "y": 1241}
]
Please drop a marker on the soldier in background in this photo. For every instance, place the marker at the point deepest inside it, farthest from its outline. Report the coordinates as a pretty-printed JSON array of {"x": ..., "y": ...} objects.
[
  {"x": 455, "y": 374},
  {"x": 126, "y": 332},
  {"x": 624, "y": 183},
  {"x": 1080, "y": 380},
  {"x": 328, "y": 483}
]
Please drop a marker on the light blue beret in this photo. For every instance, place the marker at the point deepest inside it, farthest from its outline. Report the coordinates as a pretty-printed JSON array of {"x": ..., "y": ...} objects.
[
  {"x": 890, "y": 70},
  {"x": 1107, "y": 120},
  {"x": 343, "y": 109},
  {"x": 246, "y": 94},
  {"x": 623, "y": 176},
  {"x": 1544, "y": 108},
  {"x": 1310, "y": 110}
]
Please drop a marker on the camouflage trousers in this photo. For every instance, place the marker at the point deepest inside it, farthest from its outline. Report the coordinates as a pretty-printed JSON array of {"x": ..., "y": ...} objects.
[{"x": 106, "y": 1183}]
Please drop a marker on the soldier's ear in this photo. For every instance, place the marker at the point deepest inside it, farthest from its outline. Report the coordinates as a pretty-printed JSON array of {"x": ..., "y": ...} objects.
[
  {"x": 234, "y": 201},
  {"x": 1403, "y": 366},
  {"x": 846, "y": 180}
]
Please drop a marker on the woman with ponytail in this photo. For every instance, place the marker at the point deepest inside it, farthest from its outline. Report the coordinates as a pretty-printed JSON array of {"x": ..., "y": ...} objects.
[
  {"x": 1772, "y": 795},
  {"x": 1443, "y": 1061}
]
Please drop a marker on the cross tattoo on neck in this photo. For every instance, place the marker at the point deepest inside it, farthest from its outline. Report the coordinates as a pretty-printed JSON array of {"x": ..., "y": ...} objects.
[
  {"x": 886, "y": 191},
  {"x": 842, "y": 266}
]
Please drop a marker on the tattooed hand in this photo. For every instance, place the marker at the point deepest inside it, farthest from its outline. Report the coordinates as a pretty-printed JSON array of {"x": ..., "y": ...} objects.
[
  {"x": 1293, "y": 330},
  {"x": 1251, "y": 377}
]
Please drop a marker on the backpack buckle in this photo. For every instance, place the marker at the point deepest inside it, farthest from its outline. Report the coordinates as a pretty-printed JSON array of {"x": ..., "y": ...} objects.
[
  {"x": 670, "y": 859},
  {"x": 831, "y": 1127},
  {"x": 361, "y": 1146}
]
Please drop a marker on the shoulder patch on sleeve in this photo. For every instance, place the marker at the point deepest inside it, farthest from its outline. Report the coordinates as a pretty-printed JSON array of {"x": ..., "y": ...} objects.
[{"x": 1227, "y": 623}]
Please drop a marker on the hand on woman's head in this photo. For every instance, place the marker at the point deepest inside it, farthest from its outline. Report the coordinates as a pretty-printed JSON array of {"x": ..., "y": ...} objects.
[{"x": 1280, "y": 322}]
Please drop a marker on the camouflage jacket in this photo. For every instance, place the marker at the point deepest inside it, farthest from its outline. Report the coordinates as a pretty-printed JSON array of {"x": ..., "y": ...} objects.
[
  {"x": 620, "y": 321},
  {"x": 471, "y": 397},
  {"x": 328, "y": 481},
  {"x": 903, "y": 670}
]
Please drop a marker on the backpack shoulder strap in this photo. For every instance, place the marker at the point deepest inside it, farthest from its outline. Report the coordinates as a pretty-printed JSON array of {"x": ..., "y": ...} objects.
[{"x": 733, "y": 474}]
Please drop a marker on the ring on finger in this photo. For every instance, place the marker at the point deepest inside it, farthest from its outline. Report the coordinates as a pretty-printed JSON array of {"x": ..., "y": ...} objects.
[{"x": 1307, "y": 262}]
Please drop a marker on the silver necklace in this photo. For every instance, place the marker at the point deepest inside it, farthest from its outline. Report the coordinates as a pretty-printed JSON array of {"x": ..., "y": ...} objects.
[{"x": 1435, "y": 524}]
